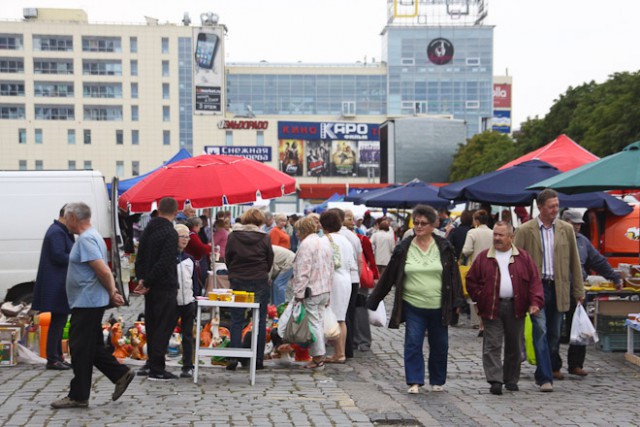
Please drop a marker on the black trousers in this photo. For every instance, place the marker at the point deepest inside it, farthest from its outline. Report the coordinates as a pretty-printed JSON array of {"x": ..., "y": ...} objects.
[
  {"x": 54, "y": 338},
  {"x": 187, "y": 314},
  {"x": 88, "y": 350},
  {"x": 350, "y": 320},
  {"x": 159, "y": 320},
  {"x": 576, "y": 353}
]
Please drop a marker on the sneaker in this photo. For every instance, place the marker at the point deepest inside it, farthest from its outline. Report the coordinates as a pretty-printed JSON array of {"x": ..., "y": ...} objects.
[
  {"x": 164, "y": 376},
  {"x": 67, "y": 402},
  {"x": 186, "y": 373},
  {"x": 143, "y": 372},
  {"x": 546, "y": 388},
  {"x": 496, "y": 388},
  {"x": 414, "y": 389},
  {"x": 512, "y": 387},
  {"x": 437, "y": 388},
  {"x": 122, "y": 384}
]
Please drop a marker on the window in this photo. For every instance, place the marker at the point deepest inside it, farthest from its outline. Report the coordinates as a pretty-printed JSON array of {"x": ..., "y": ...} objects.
[
  {"x": 472, "y": 105},
  {"x": 135, "y": 168},
  {"x": 22, "y": 165},
  {"x": 87, "y": 137},
  {"x": 134, "y": 113},
  {"x": 260, "y": 137},
  {"x": 22, "y": 136},
  {"x": 53, "y": 43},
  {"x": 473, "y": 61},
  {"x": 102, "y": 90},
  {"x": 119, "y": 137},
  {"x": 10, "y": 42},
  {"x": 133, "y": 44},
  {"x": 103, "y": 113},
  {"x": 53, "y": 66},
  {"x": 165, "y": 45},
  {"x": 135, "y": 137},
  {"x": 165, "y": 68},
  {"x": 95, "y": 67},
  {"x": 101, "y": 44},
  {"x": 134, "y": 67},
  {"x": 166, "y": 137},
  {"x": 54, "y": 112},
  {"x": 134, "y": 90},
  {"x": 71, "y": 136},
  {"x": 38, "y": 136},
  {"x": 228, "y": 137},
  {"x": 11, "y": 89},
  {"x": 119, "y": 168},
  {"x": 166, "y": 113},
  {"x": 12, "y": 112},
  {"x": 53, "y": 89},
  {"x": 39, "y": 165},
  {"x": 11, "y": 65},
  {"x": 165, "y": 90},
  {"x": 71, "y": 165},
  {"x": 88, "y": 165},
  {"x": 348, "y": 108}
]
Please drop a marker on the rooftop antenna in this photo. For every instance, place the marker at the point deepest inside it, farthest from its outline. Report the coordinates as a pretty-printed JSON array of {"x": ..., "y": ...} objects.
[{"x": 186, "y": 19}]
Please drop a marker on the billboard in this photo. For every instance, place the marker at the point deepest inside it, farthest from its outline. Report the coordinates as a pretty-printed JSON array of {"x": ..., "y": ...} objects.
[
  {"x": 501, "y": 121},
  {"x": 502, "y": 95},
  {"x": 208, "y": 70},
  {"x": 260, "y": 154},
  {"x": 336, "y": 149}
]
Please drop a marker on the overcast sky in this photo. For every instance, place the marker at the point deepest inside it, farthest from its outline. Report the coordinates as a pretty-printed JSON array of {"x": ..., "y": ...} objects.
[{"x": 546, "y": 45}]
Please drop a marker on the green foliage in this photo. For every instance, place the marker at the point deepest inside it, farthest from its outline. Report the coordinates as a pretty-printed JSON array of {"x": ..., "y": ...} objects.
[{"x": 484, "y": 152}]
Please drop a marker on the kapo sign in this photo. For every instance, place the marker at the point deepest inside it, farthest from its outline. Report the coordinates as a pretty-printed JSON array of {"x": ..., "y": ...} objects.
[{"x": 243, "y": 124}]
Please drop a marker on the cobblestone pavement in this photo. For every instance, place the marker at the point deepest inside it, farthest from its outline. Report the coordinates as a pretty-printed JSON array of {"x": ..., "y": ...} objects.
[{"x": 368, "y": 390}]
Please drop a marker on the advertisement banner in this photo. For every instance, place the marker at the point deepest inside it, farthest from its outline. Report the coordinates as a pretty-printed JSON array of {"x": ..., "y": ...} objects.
[
  {"x": 343, "y": 158},
  {"x": 260, "y": 154},
  {"x": 208, "y": 70},
  {"x": 312, "y": 131},
  {"x": 502, "y": 95},
  {"x": 318, "y": 154},
  {"x": 369, "y": 158},
  {"x": 501, "y": 121},
  {"x": 290, "y": 155}
]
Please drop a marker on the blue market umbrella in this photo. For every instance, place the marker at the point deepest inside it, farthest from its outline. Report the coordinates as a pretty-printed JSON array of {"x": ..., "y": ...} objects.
[
  {"x": 508, "y": 187},
  {"x": 407, "y": 196},
  {"x": 359, "y": 198},
  {"x": 336, "y": 197}
]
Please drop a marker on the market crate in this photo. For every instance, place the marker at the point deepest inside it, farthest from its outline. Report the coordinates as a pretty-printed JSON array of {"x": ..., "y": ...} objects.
[{"x": 613, "y": 334}]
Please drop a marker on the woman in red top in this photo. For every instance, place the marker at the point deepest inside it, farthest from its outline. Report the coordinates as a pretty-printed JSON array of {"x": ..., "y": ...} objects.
[
  {"x": 279, "y": 236},
  {"x": 201, "y": 252}
]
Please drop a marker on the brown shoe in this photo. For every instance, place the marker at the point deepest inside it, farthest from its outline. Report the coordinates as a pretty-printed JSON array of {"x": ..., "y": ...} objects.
[
  {"x": 557, "y": 375},
  {"x": 578, "y": 371}
]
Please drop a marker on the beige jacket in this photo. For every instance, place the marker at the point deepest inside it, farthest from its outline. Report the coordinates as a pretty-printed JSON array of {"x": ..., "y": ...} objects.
[{"x": 478, "y": 239}]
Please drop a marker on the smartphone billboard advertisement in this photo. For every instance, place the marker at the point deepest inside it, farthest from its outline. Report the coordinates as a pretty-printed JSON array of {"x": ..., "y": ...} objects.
[
  {"x": 208, "y": 70},
  {"x": 337, "y": 149}
]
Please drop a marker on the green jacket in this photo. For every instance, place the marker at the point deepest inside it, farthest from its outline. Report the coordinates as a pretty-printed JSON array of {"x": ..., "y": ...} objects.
[{"x": 566, "y": 260}]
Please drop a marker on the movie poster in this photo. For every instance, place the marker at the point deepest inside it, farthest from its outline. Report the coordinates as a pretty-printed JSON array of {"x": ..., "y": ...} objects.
[
  {"x": 318, "y": 154},
  {"x": 343, "y": 158},
  {"x": 291, "y": 155},
  {"x": 369, "y": 158}
]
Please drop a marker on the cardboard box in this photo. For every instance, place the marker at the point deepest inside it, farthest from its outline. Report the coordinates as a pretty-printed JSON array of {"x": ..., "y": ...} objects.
[
  {"x": 8, "y": 353},
  {"x": 617, "y": 307}
]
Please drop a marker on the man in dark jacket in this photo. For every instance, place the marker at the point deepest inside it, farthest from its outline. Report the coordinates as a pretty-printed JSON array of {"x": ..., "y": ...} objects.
[
  {"x": 49, "y": 293},
  {"x": 158, "y": 282},
  {"x": 505, "y": 284}
]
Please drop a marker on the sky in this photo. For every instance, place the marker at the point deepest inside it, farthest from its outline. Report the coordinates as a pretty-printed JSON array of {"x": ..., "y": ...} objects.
[{"x": 545, "y": 45}]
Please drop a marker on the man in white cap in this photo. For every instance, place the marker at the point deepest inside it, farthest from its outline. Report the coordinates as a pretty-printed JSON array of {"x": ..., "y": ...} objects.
[{"x": 590, "y": 259}]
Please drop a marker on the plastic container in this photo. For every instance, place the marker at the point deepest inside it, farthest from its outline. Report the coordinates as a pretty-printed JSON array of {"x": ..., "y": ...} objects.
[{"x": 44, "y": 320}]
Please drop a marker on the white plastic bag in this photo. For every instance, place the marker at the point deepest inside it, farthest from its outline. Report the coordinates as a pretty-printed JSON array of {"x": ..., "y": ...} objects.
[
  {"x": 582, "y": 330},
  {"x": 284, "y": 319},
  {"x": 378, "y": 317},
  {"x": 331, "y": 326}
]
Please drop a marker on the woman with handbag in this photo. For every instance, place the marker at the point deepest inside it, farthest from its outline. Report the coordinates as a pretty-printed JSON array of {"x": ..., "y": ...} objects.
[{"x": 312, "y": 282}]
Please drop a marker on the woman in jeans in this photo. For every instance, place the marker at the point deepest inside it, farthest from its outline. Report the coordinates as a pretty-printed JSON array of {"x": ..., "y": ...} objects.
[
  {"x": 425, "y": 273},
  {"x": 313, "y": 270},
  {"x": 249, "y": 257}
]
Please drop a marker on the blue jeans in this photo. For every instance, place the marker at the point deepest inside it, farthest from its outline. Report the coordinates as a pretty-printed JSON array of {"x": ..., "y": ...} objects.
[
  {"x": 417, "y": 321},
  {"x": 554, "y": 326},
  {"x": 279, "y": 286},
  {"x": 262, "y": 291},
  {"x": 543, "y": 372}
]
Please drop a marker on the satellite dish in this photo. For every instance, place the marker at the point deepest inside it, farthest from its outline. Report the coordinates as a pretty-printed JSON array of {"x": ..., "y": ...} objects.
[{"x": 209, "y": 19}]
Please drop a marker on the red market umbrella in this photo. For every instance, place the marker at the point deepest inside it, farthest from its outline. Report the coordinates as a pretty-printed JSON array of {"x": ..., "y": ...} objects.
[{"x": 207, "y": 181}]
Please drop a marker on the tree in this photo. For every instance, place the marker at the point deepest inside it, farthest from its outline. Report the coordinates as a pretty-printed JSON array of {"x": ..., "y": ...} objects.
[{"x": 484, "y": 152}]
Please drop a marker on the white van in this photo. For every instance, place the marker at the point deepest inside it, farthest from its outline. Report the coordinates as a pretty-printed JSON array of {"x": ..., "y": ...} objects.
[{"x": 31, "y": 200}]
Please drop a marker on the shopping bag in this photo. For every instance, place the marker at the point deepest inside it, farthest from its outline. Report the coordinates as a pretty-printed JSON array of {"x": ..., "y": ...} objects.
[
  {"x": 378, "y": 317},
  {"x": 331, "y": 326},
  {"x": 298, "y": 330},
  {"x": 366, "y": 275},
  {"x": 582, "y": 330},
  {"x": 528, "y": 340},
  {"x": 283, "y": 320}
]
